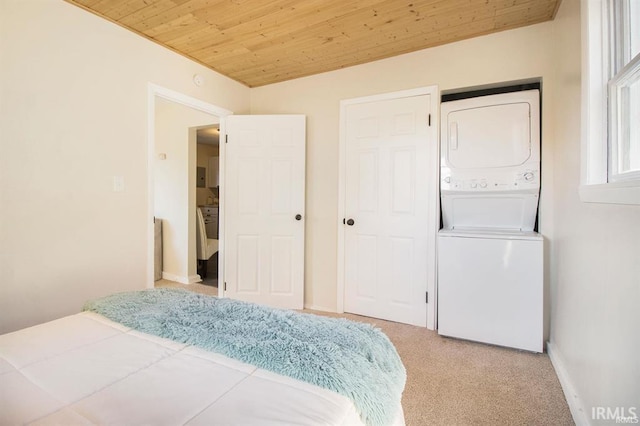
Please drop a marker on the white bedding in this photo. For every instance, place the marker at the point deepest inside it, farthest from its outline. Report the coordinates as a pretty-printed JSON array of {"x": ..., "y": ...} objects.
[{"x": 86, "y": 369}]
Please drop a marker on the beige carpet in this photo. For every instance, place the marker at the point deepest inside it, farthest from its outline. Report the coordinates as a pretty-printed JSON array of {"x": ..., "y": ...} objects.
[
  {"x": 453, "y": 382},
  {"x": 199, "y": 288}
]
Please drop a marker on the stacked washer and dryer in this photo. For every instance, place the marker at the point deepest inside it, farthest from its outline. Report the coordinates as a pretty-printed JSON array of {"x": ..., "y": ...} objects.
[{"x": 490, "y": 259}]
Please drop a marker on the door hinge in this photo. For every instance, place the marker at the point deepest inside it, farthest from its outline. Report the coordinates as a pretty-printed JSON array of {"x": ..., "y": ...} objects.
[
  {"x": 226, "y": 138},
  {"x": 426, "y": 299},
  {"x": 225, "y": 286},
  {"x": 429, "y": 120},
  {"x": 344, "y": 220}
]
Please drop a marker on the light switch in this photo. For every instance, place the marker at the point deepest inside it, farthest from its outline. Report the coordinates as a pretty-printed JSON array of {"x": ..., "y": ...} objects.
[{"x": 118, "y": 184}]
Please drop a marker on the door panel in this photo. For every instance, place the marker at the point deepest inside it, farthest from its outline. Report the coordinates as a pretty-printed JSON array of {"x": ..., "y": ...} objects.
[
  {"x": 368, "y": 182},
  {"x": 387, "y": 164},
  {"x": 366, "y": 273},
  {"x": 282, "y": 265},
  {"x": 402, "y": 252},
  {"x": 281, "y": 186},
  {"x": 265, "y": 170},
  {"x": 248, "y": 186},
  {"x": 403, "y": 180}
]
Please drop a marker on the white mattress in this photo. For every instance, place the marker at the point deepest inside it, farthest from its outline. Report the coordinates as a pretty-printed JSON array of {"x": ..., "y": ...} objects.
[{"x": 85, "y": 369}]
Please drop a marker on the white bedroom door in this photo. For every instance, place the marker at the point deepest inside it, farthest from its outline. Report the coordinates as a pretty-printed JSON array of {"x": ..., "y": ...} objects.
[
  {"x": 390, "y": 202},
  {"x": 264, "y": 209}
]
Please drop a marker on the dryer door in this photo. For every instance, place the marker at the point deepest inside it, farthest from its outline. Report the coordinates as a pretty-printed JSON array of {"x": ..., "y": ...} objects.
[{"x": 488, "y": 136}]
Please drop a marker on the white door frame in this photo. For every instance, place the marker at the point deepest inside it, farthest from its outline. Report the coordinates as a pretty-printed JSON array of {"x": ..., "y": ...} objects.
[
  {"x": 154, "y": 91},
  {"x": 434, "y": 173}
]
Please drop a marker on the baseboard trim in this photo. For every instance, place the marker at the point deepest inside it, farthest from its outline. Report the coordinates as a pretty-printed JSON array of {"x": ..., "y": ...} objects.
[
  {"x": 576, "y": 406},
  {"x": 194, "y": 279},
  {"x": 176, "y": 278}
]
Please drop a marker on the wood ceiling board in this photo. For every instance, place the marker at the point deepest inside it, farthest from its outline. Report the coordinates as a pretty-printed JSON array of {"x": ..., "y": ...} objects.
[
  {"x": 175, "y": 28},
  {"x": 259, "y": 42},
  {"x": 139, "y": 17},
  {"x": 277, "y": 25},
  {"x": 319, "y": 39},
  {"x": 252, "y": 34},
  {"x": 118, "y": 9},
  {"x": 89, "y": 3},
  {"x": 354, "y": 58},
  {"x": 179, "y": 32},
  {"x": 342, "y": 46},
  {"x": 251, "y": 15},
  {"x": 152, "y": 17}
]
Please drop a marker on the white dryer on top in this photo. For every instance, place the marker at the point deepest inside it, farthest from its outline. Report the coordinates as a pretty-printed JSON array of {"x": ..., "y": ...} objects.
[{"x": 490, "y": 161}]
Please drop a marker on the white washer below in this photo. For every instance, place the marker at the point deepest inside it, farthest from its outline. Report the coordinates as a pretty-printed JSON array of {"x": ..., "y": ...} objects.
[{"x": 490, "y": 287}]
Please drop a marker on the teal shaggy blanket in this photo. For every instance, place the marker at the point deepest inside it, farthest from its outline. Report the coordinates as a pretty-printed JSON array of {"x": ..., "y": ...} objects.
[{"x": 353, "y": 359}]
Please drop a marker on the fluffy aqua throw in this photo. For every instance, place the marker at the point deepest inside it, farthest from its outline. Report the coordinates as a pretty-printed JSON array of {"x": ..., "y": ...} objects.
[{"x": 353, "y": 359}]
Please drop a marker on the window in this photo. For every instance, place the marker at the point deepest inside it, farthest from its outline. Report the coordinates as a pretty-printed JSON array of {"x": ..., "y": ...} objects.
[
  {"x": 611, "y": 94},
  {"x": 624, "y": 90}
]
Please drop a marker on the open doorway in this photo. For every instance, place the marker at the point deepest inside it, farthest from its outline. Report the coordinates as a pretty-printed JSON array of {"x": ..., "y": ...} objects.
[
  {"x": 208, "y": 202},
  {"x": 173, "y": 123}
]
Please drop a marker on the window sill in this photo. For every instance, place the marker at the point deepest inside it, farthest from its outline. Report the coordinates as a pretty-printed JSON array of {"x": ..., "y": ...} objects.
[{"x": 612, "y": 193}]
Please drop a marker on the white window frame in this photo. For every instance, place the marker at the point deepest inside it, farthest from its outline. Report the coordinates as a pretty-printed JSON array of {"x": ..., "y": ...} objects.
[{"x": 596, "y": 186}]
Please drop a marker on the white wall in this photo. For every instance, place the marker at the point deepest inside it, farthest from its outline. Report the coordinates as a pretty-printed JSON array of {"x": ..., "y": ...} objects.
[
  {"x": 511, "y": 55},
  {"x": 595, "y": 293},
  {"x": 73, "y": 114},
  {"x": 175, "y": 192}
]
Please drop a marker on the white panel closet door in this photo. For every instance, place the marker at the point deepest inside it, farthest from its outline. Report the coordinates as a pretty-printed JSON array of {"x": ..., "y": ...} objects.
[
  {"x": 386, "y": 205},
  {"x": 264, "y": 209}
]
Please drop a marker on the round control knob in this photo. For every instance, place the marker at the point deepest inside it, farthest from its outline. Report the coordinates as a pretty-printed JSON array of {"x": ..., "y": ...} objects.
[
  {"x": 528, "y": 176},
  {"x": 483, "y": 185},
  {"x": 474, "y": 185},
  {"x": 447, "y": 179}
]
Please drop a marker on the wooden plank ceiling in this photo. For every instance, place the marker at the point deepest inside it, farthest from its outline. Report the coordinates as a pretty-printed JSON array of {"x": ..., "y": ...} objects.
[{"x": 259, "y": 42}]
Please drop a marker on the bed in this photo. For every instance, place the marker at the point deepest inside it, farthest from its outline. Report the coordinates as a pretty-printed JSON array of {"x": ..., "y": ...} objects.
[{"x": 172, "y": 357}]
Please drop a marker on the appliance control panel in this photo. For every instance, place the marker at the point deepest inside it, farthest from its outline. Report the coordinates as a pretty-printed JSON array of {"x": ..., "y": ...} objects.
[{"x": 523, "y": 179}]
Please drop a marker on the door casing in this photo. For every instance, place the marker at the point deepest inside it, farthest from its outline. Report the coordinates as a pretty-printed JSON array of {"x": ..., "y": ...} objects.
[{"x": 154, "y": 91}]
